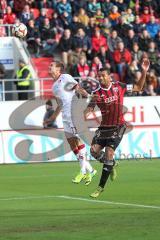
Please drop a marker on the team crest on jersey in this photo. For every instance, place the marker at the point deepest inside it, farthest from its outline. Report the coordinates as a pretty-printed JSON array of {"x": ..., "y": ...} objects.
[{"x": 115, "y": 89}]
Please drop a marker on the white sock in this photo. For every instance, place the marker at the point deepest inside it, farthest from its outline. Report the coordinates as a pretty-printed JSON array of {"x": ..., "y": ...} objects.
[
  {"x": 89, "y": 168},
  {"x": 83, "y": 154},
  {"x": 81, "y": 161},
  {"x": 82, "y": 164}
]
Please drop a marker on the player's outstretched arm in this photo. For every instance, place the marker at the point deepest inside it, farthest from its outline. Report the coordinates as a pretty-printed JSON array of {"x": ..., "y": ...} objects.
[
  {"x": 87, "y": 112},
  {"x": 55, "y": 114},
  {"x": 145, "y": 66},
  {"x": 81, "y": 91},
  {"x": 90, "y": 107}
]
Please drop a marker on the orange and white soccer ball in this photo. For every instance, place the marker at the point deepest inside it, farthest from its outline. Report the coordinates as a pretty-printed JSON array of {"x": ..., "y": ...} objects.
[{"x": 19, "y": 30}]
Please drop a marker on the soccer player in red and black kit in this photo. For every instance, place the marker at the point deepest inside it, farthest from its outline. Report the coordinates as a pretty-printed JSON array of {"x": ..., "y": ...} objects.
[{"x": 109, "y": 99}]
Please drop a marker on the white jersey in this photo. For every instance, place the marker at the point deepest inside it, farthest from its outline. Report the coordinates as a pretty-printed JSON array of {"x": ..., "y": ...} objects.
[{"x": 62, "y": 89}]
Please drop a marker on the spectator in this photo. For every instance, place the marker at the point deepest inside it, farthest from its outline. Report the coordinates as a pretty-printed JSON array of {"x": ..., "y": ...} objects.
[
  {"x": 122, "y": 57},
  {"x": 93, "y": 5},
  {"x": 48, "y": 38},
  {"x": 133, "y": 73},
  {"x": 26, "y": 15},
  {"x": 114, "y": 15},
  {"x": 64, "y": 7},
  {"x": 56, "y": 24},
  {"x": 152, "y": 27},
  {"x": 129, "y": 16},
  {"x": 40, "y": 20},
  {"x": 66, "y": 19},
  {"x": 66, "y": 45},
  {"x": 130, "y": 39},
  {"x": 9, "y": 17},
  {"x": 83, "y": 17},
  {"x": 33, "y": 38},
  {"x": 145, "y": 16},
  {"x": 74, "y": 56},
  {"x": 98, "y": 40},
  {"x": 144, "y": 39},
  {"x": 107, "y": 6},
  {"x": 91, "y": 27},
  {"x": 96, "y": 65},
  {"x": 136, "y": 52},
  {"x": 75, "y": 25},
  {"x": 2, "y": 76},
  {"x": 106, "y": 59},
  {"x": 122, "y": 27},
  {"x": 81, "y": 69},
  {"x": 83, "y": 39},
  {"x": 137, "y": 25},
  {"x": 106, "y": 27},
  {"x": 48, "y": 114},
  {"x": 99, "y": 17},
  {"x": 24, "y": 76},
  {"x": 113, "y": 40},
  {"x": 152, "y": 54}
]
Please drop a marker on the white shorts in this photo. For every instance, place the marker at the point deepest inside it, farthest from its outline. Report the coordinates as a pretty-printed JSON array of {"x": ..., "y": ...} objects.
[{"x": 69, "y": 129}]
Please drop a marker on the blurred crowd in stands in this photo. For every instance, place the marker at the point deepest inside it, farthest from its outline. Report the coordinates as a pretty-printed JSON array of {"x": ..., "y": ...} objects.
[{"x": 90, "y": 34}]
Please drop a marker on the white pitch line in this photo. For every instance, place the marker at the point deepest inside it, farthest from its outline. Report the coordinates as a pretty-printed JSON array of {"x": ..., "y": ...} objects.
[
  {"x": 110, "y": 202},
  {"x": 81, "y": 199}
]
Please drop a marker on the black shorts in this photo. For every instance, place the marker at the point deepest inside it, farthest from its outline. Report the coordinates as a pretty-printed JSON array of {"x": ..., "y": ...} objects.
[{"x": 109, "y": 136}]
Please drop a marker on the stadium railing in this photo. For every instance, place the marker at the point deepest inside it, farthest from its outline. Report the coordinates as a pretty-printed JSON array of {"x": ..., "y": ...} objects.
[
  {"x": 8, "y": 28},
  {"x": 41, "y": 91}
]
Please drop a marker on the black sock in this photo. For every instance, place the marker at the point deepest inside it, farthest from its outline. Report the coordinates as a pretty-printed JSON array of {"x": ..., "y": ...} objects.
[{"x": 105, "y": 174}]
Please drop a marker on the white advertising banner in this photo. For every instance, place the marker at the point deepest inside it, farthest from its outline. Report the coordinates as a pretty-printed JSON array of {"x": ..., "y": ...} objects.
[
  {"x": 35, "y": 146},
  {"x": 34, "y": 118},
  {"x": 39, "y": 145},
  {"x": 6, "y": 52},
  {"x": 144, "y": 111},
  {"x": 25, "y": 147}
]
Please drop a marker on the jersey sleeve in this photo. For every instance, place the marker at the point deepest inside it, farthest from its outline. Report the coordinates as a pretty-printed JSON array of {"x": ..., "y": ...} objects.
[{"x": 71, "y": 83}]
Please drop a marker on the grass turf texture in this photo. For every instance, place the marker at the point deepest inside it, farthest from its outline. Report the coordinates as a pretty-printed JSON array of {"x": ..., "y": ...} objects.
[{"x": 47, "y": 217}]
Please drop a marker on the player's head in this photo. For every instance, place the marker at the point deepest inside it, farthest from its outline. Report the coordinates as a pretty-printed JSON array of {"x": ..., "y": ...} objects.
[
  {"x": 56, "y": 68},
  {"x": 103, "y": 76}
]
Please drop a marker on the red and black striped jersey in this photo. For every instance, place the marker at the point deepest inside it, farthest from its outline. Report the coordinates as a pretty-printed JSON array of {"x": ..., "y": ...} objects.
[{"x": 110, "y": 102}]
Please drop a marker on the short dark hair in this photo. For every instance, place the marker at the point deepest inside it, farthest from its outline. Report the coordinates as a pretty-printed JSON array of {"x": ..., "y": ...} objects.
[
  {"x": 104, "y": 69},
  {"x": 49, "y": 102},
  {"x": 59, "y": 65}
]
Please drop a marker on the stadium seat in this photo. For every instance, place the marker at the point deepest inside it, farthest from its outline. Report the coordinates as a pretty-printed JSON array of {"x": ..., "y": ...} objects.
[
  {"x": 35, "y": 12},
  {"x": 49, "y": 12},
  {"x": 41, "y": 66}
]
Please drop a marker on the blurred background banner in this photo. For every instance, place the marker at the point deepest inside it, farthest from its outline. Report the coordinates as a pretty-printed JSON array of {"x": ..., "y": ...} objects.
[{"x": 37, "y": 144}]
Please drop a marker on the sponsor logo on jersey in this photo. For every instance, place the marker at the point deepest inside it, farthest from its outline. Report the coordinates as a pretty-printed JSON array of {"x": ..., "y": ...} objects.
[{"x": 115, "y": 89}]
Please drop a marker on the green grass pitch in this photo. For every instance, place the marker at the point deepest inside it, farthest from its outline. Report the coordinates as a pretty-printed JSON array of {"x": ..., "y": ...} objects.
[{"x": 39, "y": 202}]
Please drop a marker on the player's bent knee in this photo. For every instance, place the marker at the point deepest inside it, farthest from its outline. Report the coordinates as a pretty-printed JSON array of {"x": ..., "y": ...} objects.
[
  {"x": 109, "y": 153},
  {"x": 93, "y": 152}
]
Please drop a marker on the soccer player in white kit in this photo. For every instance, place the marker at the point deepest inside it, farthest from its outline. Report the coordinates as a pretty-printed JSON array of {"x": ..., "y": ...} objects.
[{"x": 64, "y": 89}]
